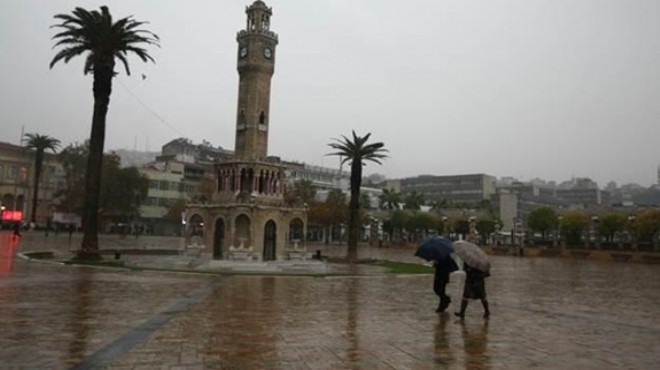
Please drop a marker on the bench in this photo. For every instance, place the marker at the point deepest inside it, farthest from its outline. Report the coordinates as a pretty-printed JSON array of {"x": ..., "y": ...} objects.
[
  {"x": 195, "y": 248},
  {"x": 298, "y": 253},
  {"x": 241, "y": 254}
]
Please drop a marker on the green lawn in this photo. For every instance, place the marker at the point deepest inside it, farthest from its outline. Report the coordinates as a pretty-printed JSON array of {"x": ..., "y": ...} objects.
[{"x": 404, "y": 267}]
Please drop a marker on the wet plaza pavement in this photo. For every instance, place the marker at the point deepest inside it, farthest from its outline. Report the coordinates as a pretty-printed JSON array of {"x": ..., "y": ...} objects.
[{"x": 547, "y": 313}]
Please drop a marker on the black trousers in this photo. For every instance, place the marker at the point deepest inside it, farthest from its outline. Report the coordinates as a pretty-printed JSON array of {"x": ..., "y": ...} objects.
[{"x": 440, "y": 281}]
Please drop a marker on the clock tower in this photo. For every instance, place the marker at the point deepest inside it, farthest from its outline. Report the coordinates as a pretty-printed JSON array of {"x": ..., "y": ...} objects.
[
  {"x": 247, "y": 214},
  {"x": 256, "y": 65}
]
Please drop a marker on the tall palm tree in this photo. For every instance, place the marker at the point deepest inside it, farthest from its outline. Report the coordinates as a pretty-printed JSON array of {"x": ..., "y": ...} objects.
[
  {"x": 356, "y": 151},
  {"x": 40, "y": 143},
  {"x": 95, "y": 34},
  {"x": 414, "y": 200},
  {"x": 389, "y": 199}
]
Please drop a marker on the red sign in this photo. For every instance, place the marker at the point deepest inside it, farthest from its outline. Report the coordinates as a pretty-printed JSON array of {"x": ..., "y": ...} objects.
[{"x": 12, "y": 215}]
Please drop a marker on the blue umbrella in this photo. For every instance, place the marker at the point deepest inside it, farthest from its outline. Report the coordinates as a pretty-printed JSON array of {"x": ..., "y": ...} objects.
[{"x": 434, "y": 248}]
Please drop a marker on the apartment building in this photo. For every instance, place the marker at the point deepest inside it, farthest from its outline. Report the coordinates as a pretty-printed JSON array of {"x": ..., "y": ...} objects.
[{"x": 17, "y": 184}]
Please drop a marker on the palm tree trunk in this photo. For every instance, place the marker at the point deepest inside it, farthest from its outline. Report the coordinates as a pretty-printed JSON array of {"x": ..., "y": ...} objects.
[
  {"x": 89, "y": 248},
  {"x": 354, "y": 210},
  {"x": 38, "y": 162}
]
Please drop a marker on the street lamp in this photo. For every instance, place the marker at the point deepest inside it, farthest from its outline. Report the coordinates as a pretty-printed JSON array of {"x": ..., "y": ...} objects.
[
  {"x": 560, "y": 218},
  {"x": 594, "y": 224},
  {"x": 631, "y": 231},
  {"x": 472, "y": 233},
  {"x": 513, "y": 232}
]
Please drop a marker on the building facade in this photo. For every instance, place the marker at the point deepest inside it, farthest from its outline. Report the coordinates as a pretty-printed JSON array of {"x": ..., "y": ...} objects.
[
  {"x": 468, "y": 190},
  {"x": 17, "y": 184}
]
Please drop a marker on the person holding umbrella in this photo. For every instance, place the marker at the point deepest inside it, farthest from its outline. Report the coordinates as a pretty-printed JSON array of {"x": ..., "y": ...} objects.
[
  {"x": 438, "y": 249},
  {"x": 443, "y": 268},
  {"x": 477, "y": 269}
]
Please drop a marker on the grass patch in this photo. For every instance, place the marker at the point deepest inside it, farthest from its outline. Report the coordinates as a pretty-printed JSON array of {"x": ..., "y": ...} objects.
[
  {"x": 95, "y": 263},
  {"x": 404, "y": 267},
  {"x": 40, "y": 255}
]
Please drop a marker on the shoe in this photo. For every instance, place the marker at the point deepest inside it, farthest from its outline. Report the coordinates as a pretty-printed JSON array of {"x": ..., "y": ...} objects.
[
  {"x": 486, "y": 314},
  {"x": 461, "y": 315}
]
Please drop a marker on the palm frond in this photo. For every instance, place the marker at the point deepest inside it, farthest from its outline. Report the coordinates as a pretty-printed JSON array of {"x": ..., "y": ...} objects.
[
  {"x": 67, "y": 54},
  {"x": 122, "y": 58},
  {"x": 95, "y": 32},
  {"x": 357, "y": 149},
  {"x": 41, "y": 142},
  {"x": 89, "y": 64}
]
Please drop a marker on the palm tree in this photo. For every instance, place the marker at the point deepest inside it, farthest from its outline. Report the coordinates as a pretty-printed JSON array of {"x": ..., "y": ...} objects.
[
  {"x": 414, "y": 201},
  {"x": 389, "y": 199},
  {"x": 356, "y": 151},
  {"x": 40, "y": 143},
  {"x": 94, "y": 33}
]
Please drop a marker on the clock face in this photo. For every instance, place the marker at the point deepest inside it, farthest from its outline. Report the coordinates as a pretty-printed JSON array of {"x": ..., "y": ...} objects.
[
  {"x": 268, "y": 53},
  {"x": 243, "y": 52}
]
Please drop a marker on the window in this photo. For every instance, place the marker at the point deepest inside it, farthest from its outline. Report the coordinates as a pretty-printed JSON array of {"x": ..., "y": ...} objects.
[
  {"x": 163, "y": 202},
  {"x": 164, "y": 185},
  {"x": 2, "y": 172},
  {"x": 153, "y": 184}
]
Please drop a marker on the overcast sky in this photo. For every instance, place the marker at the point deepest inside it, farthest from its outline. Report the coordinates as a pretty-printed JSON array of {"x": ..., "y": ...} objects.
[{"x": 527, "y": 88}]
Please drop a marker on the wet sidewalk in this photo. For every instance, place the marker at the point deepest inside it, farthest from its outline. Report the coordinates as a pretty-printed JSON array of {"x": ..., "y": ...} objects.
[{"x": 546, "y": 313}]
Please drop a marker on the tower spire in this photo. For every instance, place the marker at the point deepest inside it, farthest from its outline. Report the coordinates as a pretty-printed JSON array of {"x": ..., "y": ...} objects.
[{"x": 256, "y": 65}]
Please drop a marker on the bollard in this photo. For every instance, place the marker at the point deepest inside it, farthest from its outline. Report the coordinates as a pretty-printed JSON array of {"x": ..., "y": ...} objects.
[
  {"x": 117, "y": 255},
  {"x": 318, "y": 254}
]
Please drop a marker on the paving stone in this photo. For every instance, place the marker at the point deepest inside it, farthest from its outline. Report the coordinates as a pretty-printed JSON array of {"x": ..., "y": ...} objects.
[{"x": 547, "y": 313}]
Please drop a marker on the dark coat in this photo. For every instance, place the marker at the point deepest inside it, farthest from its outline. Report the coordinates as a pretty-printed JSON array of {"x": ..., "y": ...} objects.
[{"x": 445, "y": 266}]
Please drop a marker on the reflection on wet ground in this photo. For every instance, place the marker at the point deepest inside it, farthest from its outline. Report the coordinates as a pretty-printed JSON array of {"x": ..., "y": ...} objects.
[{"x": 546, "y": 313}]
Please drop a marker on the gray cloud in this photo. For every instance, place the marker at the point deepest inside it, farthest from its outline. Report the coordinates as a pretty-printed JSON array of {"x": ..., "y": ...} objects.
[{"x": 550, "y": 88}]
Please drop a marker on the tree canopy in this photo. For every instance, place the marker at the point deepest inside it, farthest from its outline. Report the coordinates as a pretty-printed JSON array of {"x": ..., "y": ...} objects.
[
  {"x": 542, "y": 220},
  {"x": 573, "y": 225},
  {"x": 122, "y": 193}
]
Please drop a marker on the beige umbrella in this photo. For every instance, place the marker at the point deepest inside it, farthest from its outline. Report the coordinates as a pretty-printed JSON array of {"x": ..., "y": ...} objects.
[{"x": 472, "y": 255}]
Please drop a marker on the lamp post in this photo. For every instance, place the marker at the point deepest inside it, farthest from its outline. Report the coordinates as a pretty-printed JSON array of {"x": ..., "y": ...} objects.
[
  {"x": 521, "y": 245},
  {"x": 513, "y": 232},
  {"x": 594, "y": 224},
  {"x": 472, "y": 233},
  {"x": 631, "y": 232},
  {"x": 498, "y": 227},
  {"x": 560, "y": 218}
]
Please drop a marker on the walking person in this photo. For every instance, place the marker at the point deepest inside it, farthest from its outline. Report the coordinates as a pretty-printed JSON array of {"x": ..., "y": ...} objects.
[
  {"x": 443, "y": 267},
  {"x": 71, "y": 230},
  {"x": 475, "y": 288},
  {"x": 17, "y": 230}
]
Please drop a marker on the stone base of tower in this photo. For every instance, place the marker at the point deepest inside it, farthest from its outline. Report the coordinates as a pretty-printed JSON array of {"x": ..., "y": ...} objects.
[{"x": 247, "y": 231}]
